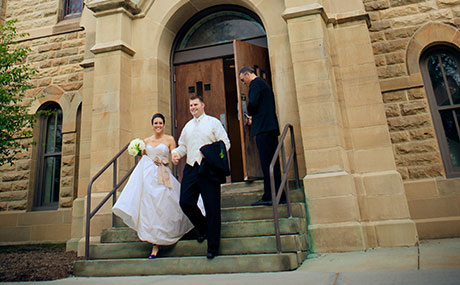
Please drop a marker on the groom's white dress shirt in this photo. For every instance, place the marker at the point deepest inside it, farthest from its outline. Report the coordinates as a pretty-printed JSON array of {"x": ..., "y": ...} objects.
[{"x": 197, "y": 133}]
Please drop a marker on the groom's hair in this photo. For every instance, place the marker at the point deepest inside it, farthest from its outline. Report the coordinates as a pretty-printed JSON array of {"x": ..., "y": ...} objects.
[
  {"x": 159, "y": 115},
  {"x": 197, "y": 97}
]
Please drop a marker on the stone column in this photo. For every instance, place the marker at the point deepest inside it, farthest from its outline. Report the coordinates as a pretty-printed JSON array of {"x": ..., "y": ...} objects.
[
  {"x": 106, "y": 119},
  {"x": 383, "y": 206},
  {"x": 330, "y": 190},
  {"x": 328, "y": 83}
]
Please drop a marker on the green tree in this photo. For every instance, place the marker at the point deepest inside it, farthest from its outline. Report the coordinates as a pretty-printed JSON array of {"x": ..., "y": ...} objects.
[{"x": 15, "y": 122}]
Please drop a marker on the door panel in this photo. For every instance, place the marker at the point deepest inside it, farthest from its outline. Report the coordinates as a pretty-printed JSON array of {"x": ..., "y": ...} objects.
[
  {"x": 256, "y": 57},
  {"x": 206, "y": 79}
]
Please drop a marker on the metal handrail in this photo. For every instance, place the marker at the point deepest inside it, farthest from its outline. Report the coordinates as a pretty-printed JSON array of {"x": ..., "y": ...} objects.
[
  {"x": 113, "y": 193},
  {"x": 286, "y": 167}
]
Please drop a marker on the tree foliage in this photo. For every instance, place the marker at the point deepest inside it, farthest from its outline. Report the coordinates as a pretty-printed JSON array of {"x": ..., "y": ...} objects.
[{"x": 15, "y": 121}]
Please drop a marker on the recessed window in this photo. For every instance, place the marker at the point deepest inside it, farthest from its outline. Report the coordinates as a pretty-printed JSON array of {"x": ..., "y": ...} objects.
[
  {"x": 440, "y": 66},
  {"x": 71, "y": 8},
  {"x": 221, "y": 27},
  {"x": 49, "y": 158}
]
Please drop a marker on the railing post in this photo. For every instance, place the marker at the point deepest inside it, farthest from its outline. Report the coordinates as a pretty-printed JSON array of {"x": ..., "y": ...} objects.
[
  {"x": 113, "y": 192},
  {"x": 114, "y": 196},
  {"x": 88, "y": 218},
  {"x": 275, "y": 211},
  {"x": 296, "y": 165},
  {"x": 284, "y": 183}
]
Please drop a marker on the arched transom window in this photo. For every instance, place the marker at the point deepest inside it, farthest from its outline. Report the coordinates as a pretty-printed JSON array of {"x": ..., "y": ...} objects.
[{"x": 221, "y": 26}]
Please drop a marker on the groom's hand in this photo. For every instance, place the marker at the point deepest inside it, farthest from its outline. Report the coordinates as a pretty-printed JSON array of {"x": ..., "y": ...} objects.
[{"x": 175, "y": 158}]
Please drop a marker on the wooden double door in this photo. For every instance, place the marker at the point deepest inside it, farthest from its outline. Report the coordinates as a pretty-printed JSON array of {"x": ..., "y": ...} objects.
[{"x": 225, "y": 96}]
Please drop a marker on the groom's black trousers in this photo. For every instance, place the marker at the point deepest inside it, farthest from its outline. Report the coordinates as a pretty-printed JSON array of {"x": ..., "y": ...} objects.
[{"x": 193, "y": 184}]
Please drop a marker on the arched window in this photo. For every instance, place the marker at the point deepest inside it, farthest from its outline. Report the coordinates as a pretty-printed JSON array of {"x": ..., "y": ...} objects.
[
  {"x": 210, "y": 33},
  {"x": 48, "y": 171},
  {"x": 440, "y": 68},
  {"x": 222, "y": 26}
]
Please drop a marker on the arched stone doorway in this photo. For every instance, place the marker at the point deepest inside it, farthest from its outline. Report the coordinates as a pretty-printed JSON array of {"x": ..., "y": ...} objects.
[{"x": 207, "y": 54}]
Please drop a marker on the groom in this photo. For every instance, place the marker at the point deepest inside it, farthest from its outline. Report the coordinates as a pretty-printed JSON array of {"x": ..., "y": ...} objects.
[{"x": 199, "y": 131}]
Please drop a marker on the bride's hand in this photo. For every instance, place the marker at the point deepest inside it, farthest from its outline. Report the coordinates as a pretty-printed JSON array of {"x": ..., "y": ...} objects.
[{"x": 175, "y": 158}]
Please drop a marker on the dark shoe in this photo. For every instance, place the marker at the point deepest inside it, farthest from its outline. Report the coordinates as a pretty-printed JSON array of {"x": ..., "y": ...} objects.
[
  {"x": 201, "y": 238},
  {"x": 211, "y": 255},
  {"x": 262, "y": 203}
]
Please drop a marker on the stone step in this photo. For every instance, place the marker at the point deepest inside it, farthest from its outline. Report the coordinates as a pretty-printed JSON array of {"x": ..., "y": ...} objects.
[
  {"x": 247, "y": 198},
  {"x": 261, "y": 212},
  {"x": 257, "y": 185},
  {"x": 229, "y": 229},
  {"x": 246, "y": 213},
  {"x": 187, "y": 265},
  {"x": 229, "y": 246}
]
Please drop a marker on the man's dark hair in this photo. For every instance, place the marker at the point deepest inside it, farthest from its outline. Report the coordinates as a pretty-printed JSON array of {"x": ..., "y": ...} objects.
[
  {"x": 197, "y": 97},
  {"x": 158, "y": 115},
  {"x": 245, "y": 69}
]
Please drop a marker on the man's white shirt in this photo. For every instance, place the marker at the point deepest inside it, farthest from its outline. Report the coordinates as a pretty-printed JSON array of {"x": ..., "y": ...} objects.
[{"x": 197, "y": 133}]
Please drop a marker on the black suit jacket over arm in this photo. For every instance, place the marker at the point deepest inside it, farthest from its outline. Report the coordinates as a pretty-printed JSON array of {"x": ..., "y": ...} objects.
[{"x": 215, "y": 161}]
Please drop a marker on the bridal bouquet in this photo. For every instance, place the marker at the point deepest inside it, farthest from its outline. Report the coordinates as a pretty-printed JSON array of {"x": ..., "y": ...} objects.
[{"x": 136, "y": 146}]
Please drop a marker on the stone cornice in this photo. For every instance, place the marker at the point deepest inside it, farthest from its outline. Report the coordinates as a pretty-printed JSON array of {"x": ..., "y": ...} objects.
[
  {"x": 401, "y": 83},
  {"x": 305, "y": 10},
  {"x": 315, "y": 8},
  {"x": 105, "y": 6},
  {"x": 352, "y": 16},
  {"x": 63, "y": 27},
  {"x": 87, "y": 63},
  {"x": 113, "y": 46}
]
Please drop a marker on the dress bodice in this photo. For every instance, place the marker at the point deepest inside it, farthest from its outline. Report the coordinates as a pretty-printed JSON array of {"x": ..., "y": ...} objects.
[{"x": 161, "y": 150}]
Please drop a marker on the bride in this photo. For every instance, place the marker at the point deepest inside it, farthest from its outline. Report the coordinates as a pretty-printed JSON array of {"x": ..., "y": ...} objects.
[{"x": 149, "y": 203}]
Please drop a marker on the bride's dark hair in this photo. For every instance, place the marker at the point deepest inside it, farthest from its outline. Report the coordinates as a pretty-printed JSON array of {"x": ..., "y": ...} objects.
[{"x": 158, "y": 115}]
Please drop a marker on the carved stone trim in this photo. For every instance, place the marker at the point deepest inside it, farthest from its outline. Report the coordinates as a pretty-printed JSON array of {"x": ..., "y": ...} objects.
[
  {"x": 98, "y": 6},
  {"x": 424, "y": 37},
  {"x": 305, "y": 10},
  {"x": 401, "y": 83},
  {"x": 113, "y": 46},
  {"x": 87, "y": 63},
  {"x": 63, "y": 27},
  {"x": 315, "y": 8},
  {"x": 353, "y": 16}
]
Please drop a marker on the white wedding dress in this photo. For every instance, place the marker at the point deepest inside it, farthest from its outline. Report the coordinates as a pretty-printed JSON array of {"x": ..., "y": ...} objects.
[{"x": 150, "y": 208}]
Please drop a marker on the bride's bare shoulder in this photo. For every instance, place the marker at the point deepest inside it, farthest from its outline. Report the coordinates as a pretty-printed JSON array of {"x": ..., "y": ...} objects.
[{"x": 170, "y": 140}]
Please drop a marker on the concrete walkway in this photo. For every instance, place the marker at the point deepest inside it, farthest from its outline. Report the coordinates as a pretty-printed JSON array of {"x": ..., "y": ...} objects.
[{"x": 432, "y": 262}]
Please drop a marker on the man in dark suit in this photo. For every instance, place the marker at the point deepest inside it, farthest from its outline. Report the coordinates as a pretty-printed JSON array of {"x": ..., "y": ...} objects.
[{"x": 264, "y": 126}]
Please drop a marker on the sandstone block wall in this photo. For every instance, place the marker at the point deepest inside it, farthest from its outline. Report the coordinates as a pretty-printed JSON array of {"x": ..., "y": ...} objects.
[
  {"x": 32, "y": 14},
  {"x": 432, "y": 198},
  {"x": 56, "y": 53},
  {"x": 2, "y": 11},
  {"x": 393, "y": 23},
  {"x": 14, "y": 182}
]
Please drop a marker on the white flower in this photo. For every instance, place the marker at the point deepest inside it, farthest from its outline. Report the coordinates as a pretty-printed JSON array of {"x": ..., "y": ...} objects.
[{"x": 136, "y": 146}]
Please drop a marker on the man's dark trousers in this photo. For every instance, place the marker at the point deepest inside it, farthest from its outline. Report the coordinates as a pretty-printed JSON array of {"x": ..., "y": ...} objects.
[
  {"x": 266, "y": 144},
  {"x": 193, "y": 184}
]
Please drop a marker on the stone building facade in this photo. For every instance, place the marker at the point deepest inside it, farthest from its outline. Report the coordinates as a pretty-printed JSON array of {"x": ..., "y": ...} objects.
[
  {"x": 347, "y": 74},
  {"x": 57, "y": 49}
]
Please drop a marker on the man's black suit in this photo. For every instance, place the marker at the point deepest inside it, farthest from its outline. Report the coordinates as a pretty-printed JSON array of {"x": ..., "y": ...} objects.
[{"x": 266, "y": 129}]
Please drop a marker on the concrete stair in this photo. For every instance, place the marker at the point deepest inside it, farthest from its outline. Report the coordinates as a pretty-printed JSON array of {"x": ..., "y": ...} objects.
[{"x": 248, "y": 242}]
